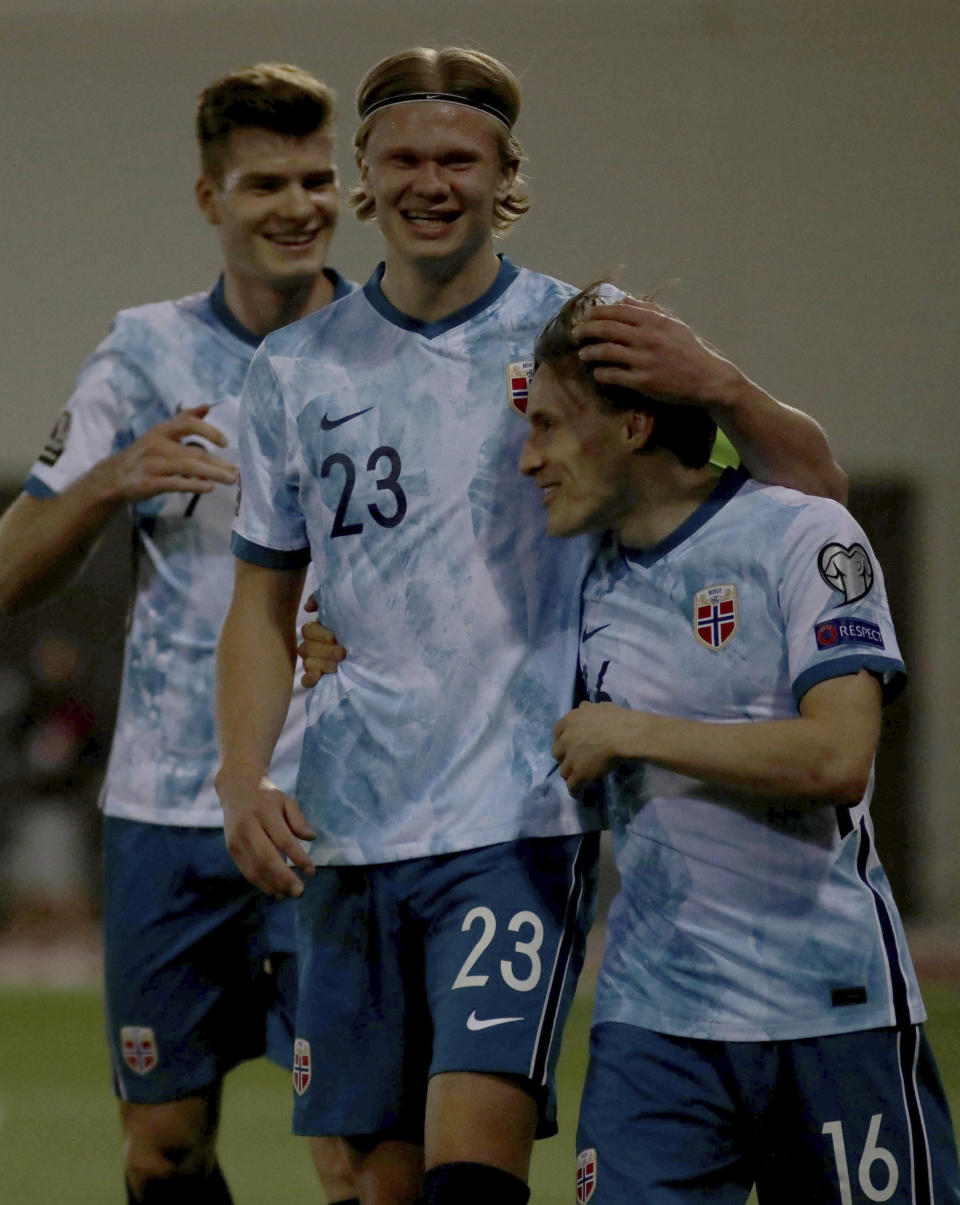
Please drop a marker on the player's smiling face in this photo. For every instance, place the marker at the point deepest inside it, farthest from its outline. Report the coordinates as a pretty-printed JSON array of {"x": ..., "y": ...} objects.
[
  {"x": 275, "y": 205},
  {"x": 578, "y": 453},
  {"x": 434, "y": 170}
]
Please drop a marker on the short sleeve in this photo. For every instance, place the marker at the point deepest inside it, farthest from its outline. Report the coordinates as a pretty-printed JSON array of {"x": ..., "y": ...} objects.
[
  {"x": 270, "y": 529},
  {"x": 834, "y": 602},
  {"x": 111, "y": 401}
]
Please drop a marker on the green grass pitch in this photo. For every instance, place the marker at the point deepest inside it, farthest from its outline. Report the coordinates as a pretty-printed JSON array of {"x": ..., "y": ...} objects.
[{"x": 59, "y": 1134}]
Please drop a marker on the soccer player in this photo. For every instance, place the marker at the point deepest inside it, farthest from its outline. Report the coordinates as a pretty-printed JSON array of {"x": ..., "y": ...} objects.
[
  {"x": 199, "y": 967},
  {"x": 444, "y": 890},
  {"x": 757, "y": 1016}
]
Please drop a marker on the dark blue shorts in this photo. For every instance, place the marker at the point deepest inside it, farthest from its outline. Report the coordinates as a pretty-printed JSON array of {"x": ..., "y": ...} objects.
[
  {"x": 200, "y": 966},
  {"x": 462, "y": 962},
  {"x": 848, "y": 1119}
]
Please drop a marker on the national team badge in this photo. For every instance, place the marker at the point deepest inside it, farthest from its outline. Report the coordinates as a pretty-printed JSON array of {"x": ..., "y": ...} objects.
[
  {"x": 139, "y": 1048},
  {"x": 56, "y": 440},
  {"x": 847, "y": 570},
  {"x": 518, "y": 384},
  {"x": 301, "y": 1066},
  {"x": 586, "y": 1175},
  {"x": 716, "y": 615}
]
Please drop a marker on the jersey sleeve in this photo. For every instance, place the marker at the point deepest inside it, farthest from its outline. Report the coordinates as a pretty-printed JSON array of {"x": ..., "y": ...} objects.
[
  {"x": 834, "y": 602},
  {"x": 269, "y": 529},
  {"x": 112, "y": 403}
]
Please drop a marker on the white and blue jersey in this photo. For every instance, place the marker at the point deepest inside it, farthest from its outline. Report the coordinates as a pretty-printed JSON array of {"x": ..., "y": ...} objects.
[
  {"x": 739, "y": 919},
  {"x": 385, "y": 450},
  {"x": 156, "y": 360}
]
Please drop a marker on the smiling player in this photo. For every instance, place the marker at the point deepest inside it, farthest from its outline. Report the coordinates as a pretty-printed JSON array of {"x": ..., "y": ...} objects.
[
  {"x": 757, "y": 1017},
  {"x": 199, "y": 966},
  {"x": 445, "y": 891}
]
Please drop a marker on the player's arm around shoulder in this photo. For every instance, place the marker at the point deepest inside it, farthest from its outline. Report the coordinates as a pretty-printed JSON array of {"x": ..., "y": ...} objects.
[
  {"x": 255, "y": 663},
  {"x": 45, "y": 540},
  {"x": 640, "y": 345},
  {"x": 822, "y": 757}
]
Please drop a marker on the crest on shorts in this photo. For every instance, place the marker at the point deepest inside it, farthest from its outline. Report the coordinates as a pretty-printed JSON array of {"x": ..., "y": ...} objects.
[
  {"x": 518, "y": 384},
  {"x": 139, "y": 1048},
  {"x": 716, "y": 615},
  {"x": 301, "y": 1066},
  {"x": 847, "y": 570},
  {"x": 586, "y": 1175},
  {"x": 56, "y": 440}
]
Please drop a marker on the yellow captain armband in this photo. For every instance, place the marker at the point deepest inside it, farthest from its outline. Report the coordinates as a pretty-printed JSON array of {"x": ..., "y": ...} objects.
[{"x": 724, "y": 455}]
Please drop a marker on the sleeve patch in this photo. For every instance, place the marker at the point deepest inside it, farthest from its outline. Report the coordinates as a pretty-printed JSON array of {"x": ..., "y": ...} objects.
[
  {"x": 833, "y": 632},
  {"x": 846, "y": 570},
  {"x": 56, "y": 441}
]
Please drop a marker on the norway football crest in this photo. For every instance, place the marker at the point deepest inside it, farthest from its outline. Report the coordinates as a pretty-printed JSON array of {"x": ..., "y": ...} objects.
[
  {"x": 139, "y": 1048},
  {"x": 518, "y": 384},
  {"x": 301, "y": 1066},
  {"x": 586, "y": 1175},
  {"x": 716, "y": 615}
]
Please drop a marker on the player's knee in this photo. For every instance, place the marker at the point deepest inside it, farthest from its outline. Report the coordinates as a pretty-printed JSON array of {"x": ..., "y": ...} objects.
[{"x": 164, "y": 1147}]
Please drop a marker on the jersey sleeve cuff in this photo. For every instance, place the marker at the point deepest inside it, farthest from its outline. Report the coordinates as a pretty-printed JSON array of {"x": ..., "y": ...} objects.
[
  {"x": 269, "y": 558},
  {"x": 891, "y": 672},
  {"x": 37, "y": 488}
]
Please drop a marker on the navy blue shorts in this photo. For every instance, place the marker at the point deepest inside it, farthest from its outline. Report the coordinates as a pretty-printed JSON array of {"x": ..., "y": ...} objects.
[
  {"x": 200, "y": 966},
  {"x": 461, "y": 962},
  {"x": 847, "y": 1119}
]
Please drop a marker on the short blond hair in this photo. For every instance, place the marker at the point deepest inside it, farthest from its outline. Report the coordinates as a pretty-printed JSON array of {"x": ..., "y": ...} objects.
[{"x": 477, "y": 79}]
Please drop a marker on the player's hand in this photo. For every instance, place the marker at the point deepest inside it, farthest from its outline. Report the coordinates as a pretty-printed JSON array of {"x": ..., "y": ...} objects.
[
  {"x": 319, "y": 649},
  {"x": 263, "y": 828},
  {"x": 588, "y": 740},
  {"x": 169, "y": 458},
  {"x": 639, "y": 345}
]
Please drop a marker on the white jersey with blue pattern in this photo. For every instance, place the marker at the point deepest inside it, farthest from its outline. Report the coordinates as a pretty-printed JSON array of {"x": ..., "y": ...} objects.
[
  {"x": 156, "y": 360},
  {"x": 386, "y": 450},
  {"x": 740, "y": 919}
]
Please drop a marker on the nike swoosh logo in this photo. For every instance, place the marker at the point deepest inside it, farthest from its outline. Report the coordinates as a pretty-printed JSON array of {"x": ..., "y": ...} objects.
[
  {"x": 474, "y": 1022},
  {"x": 327, "y": 424},
  {"x": 593, "y": 631}
]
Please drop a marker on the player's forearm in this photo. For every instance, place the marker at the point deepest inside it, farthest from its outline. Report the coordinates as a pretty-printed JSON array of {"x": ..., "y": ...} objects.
[
  {"x": 256, "y": 657},
  {"x": 776, "y": 443},
  {"x": 797, "y": 759},
  {"x": 45, "y": 541}
]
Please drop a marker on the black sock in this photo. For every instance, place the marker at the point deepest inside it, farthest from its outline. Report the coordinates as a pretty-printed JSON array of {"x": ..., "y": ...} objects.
[
  {"x": 185, "y": 1190},
  {"x": 472, "y": 1184},
  {"x": 346, "y": 1201}
]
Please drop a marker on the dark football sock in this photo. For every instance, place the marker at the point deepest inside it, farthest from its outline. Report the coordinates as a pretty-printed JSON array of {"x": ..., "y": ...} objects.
[{"x": 472, "y": 1184}]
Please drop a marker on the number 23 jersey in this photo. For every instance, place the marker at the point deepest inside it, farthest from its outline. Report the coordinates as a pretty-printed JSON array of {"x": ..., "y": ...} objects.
[{"x": 385, "y": 449}]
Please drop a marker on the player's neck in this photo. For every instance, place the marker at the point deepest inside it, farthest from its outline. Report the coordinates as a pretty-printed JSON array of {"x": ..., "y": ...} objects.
[
  {"x": 430, "y": 290},
  {"x": 666, "y": 494},
  {"x": 263, "y": 308}
]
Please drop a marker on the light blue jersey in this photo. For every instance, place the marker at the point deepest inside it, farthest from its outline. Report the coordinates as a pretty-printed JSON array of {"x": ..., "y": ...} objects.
[
  {"x": 738, "y": 919},
  {"x": 386, "y": 450},
  {"x": 159, "y": 359}
]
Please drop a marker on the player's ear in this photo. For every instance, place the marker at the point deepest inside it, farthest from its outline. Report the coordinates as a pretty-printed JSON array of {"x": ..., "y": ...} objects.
[
  {"x": 508, "y": 174},
  {"x": 205, "y": 190},
  {"x": 637, "y": 428}
]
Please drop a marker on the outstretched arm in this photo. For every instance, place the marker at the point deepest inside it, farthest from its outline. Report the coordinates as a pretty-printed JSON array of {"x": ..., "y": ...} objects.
[
  {"x": 255, "y": 663},
  {"x": 821, "y": 757},
  {"x": 44, "y": 541},
  {"x": 639, "y": 345}
]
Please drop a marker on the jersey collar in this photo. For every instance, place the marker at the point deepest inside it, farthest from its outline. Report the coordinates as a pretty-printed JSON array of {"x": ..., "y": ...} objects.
[
  {"x": 218, "y": 303},
  {"x": 729, "y": 484},
  {"x": 373, "y": 292}
]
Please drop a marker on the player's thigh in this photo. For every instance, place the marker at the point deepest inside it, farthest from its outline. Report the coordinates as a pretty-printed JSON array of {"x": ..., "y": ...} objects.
[
  {"x": 505, "y": 929},
  {"x": 185, "y": 942},
  {"x": 362, "y": 1034},
  {"x": 661, "y": 1122},
  {"x": 860, "y": 1118}
]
